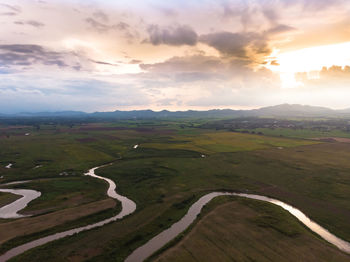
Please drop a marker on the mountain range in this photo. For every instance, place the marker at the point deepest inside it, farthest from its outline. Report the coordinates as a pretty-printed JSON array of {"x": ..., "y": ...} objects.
[{"x": 283, "y": 110}]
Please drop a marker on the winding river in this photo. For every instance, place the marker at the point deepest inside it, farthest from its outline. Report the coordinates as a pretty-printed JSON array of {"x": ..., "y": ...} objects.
[
  {"x": 128, "y": 207},
  {"x": 11, "y": 210},
  {"x": 157, "y": 242}
]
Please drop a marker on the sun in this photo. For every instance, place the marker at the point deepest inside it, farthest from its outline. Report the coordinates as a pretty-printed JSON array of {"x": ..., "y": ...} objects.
[{"x": 309, "y": 60}]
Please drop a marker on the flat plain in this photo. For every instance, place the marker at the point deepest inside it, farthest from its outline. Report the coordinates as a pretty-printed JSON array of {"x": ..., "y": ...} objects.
[{"x": 176, "y": 162}]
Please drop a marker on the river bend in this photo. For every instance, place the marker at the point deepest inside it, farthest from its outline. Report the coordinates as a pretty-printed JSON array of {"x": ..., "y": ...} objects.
[
  {"x": 128, "y": 207},
  {"x": 160, "y": 240},
  {"x": 11, "y": 210}
]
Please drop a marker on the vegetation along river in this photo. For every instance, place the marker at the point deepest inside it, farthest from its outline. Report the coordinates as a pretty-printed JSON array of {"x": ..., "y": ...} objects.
[{"x": 157, "y": 242}]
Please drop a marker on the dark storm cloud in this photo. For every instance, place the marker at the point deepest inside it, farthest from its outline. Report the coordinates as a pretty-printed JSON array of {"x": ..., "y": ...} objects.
[
  {"x": 34, "y": 23},
  {"x": 240, "y": 45},
  {"x": 178, "y": 35},
  {"x": 11, "y": 55}
]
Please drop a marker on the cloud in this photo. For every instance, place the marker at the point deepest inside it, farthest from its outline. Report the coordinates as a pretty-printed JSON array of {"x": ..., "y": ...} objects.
[
  {"x": 167, "y": 11},
  {"x": 8, "y": 14},
  {"x": 176, "y": 36},
  {"x": 336, "y": 72},
  {"x": 252, "y": 15},
  {"x": 122, "y": 26},
  {"x": 13, "y": 8},
  {"x": 34, "y": 23},
  {"x": 135, "y": 61},
  {"x": 274, "y": 63},
  {"x": 12, "y": 55},
  {"x": 241, "y": 45},
  {"x": 203, "y": 53},
  {"x": 271, "y": 15},
  {"x": 102, "y": 16},
  {"x": 317, "y": 5},
  {"x": 184, "y": 64},
  {"x": 280, "y": 29},
  {"x": 101, "y": 27},
  {"x": 210, "y": 71},
  {"x": 32, "y": 93},
  {"x": 104, "y": 63},
  {"x": 331, "y": 77},
  {"x": 98, "y": 26}
]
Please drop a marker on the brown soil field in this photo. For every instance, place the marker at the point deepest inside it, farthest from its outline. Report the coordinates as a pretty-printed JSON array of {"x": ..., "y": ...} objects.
[
  {"x": 30, "y": 225},
  {"x": 234, "y": 232}
]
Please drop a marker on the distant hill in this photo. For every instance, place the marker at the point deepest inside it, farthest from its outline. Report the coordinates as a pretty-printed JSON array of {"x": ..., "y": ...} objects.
[
  {"x": 282, "y": 111},
  {"x": 50, "y": 114},
  {"x": 288, "y": 110}
]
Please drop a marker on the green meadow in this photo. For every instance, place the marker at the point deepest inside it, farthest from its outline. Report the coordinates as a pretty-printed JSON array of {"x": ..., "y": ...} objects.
[{"x": 176, "y": 162}]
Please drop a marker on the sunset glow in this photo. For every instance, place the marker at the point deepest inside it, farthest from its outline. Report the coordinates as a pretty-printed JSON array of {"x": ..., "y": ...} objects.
[
  {"x": 172, "y": 55},
  {"x": 310, "y": 60}
]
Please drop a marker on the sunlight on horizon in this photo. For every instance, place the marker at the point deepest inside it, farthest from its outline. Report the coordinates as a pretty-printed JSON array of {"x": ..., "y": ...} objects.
[{"x": 309, "y": 60}]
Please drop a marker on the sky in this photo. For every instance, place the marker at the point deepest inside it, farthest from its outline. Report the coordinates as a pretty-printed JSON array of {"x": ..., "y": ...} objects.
[{"x": 105, "y": 55}]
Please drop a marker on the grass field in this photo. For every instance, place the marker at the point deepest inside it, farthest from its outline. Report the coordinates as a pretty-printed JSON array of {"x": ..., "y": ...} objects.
[
  {"x": 35, "y": 224},
  {"x": 6, "y": 198},
  {"x": 301, "y": 133},
  {"x": 214, "y": 142},
  {"x": 164, "y": 176},
  {"x": 250, "y": 231}
]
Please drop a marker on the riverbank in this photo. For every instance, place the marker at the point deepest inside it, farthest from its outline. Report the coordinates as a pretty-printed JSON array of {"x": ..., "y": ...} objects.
[
  {"x": 12, "y": 210},
  {"x": 241, "y": 230},
  {"x": 128, "y": 207},
  {"x": 165, "y": 237}
]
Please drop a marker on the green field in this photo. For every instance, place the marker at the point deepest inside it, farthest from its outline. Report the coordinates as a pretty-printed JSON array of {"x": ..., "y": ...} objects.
[
  {"x": 6, "y": 198},
  {"x": 164, "y": 176},
  {"x": 247, "y": 230},
  {"x": 218, "y": 142},
  {"x": 301, "y": 133}
]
